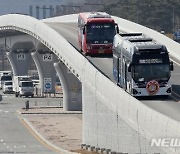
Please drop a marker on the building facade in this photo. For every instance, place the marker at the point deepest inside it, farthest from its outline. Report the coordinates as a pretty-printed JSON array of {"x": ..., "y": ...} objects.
[{"x": 42, "y": 9}]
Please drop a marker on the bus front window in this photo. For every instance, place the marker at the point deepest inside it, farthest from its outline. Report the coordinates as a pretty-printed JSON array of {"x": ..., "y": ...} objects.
[
  {"x": 151, "y": 72},
  {"x": 100, "y": 33}
]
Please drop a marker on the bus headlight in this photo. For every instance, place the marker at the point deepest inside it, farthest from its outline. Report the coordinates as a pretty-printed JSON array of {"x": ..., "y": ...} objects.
[
  {"x": 168, "y": 90},
  {"x": 135, "y": 91}
]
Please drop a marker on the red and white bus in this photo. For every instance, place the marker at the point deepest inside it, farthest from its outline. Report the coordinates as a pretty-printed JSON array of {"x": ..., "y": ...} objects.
[{"x": 96, "y": 32}]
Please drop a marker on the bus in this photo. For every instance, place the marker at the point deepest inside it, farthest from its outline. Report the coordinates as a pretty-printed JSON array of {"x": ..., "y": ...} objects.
[
  {"x": 96, "y": 33},
  {"x": 141, "y": 66}
]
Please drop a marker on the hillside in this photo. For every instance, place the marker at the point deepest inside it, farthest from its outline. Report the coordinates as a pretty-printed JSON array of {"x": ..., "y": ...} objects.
[{"x": 161, "y": 15}]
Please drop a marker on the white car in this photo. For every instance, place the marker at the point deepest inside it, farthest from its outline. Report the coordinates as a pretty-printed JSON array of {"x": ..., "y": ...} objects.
[{"x": 8, "y": 87}]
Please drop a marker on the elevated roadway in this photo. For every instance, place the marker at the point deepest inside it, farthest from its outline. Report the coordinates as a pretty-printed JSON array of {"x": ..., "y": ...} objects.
[{"x": 168, "y": 106}]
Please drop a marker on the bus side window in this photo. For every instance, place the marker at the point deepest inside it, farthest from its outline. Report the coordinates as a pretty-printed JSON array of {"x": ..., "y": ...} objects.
[{"x": 116, "y": 66}]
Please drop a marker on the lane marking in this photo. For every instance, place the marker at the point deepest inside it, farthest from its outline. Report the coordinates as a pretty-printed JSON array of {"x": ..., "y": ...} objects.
[
  {"x": 175, "y": 62},
  {"x": 37, "y": 137},
  {"x": 175, "y": 99}
]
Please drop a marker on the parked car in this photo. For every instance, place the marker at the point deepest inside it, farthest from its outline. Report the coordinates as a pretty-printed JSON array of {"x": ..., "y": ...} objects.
[
  {"x": 4, "y": 78},
  {"x": 8, "y": 87}
]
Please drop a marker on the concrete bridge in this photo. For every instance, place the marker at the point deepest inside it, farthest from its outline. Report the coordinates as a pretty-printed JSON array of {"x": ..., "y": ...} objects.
[{"x": 112, "y": 119}]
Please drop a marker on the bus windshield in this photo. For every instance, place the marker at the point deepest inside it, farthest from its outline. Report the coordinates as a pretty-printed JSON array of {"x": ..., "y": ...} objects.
[
  {"x": 151, "y": 72},
  {"x": 100, "y": 33}
]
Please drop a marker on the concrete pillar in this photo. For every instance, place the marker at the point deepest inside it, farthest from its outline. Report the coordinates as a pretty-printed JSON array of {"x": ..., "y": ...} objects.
[
  {"x": 47, "y": 74},
  {"x": 72, "y": 88},
  {"x": 20, "y": 62}
]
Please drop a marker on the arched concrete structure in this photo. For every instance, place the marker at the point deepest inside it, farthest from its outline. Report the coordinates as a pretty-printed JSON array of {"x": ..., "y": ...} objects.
[
  {"x": 72, "y": 88},
  {"x": 20, "y": 57},
  {"x": 112, "y": 119},
  {"x": 44, "y": 60},
  {"x": 18, "y": 48},
  {"x": 74, "y": 98}
]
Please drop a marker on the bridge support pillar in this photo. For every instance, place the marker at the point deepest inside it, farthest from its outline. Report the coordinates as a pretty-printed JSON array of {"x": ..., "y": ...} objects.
[
  {"x": 46, "y": 71},
  {"x": 72, "y": 88},
  {"x": 20, "y": 62}
]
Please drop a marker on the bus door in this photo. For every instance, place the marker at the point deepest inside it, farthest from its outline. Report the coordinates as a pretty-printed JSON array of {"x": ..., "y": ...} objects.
[
  {"x": 124, "y": 73},
  {"x": 116, "y": 68}
]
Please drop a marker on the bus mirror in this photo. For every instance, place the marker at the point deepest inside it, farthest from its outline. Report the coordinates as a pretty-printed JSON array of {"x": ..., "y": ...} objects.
[
  {"x": 171, "y": 66},
  {"x": 84, "y": 29},
  {"x": 117, "y": 28},
  {"x": 129, "y": 67}
]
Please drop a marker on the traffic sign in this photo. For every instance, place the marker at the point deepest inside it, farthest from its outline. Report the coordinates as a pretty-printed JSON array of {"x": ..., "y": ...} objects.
[
  {"x": 47, "y": 85},
  {"x": 21, "y": 56},
  {"x": 47, "y": 57}
]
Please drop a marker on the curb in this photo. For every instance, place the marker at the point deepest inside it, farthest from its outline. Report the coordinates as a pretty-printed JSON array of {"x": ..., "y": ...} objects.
[
  {"x": 60, "y": 112},
  {"x": 29, "y": 125}
]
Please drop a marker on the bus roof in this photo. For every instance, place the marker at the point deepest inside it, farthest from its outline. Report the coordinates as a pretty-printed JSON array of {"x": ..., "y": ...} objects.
[
  {"x": 140, "y": 41},
  {"x": 95, "y": 17},
  {"x": 135, "y": 37}
]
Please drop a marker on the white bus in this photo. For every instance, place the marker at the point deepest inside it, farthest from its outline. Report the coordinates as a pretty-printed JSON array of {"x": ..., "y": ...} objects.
[{"x": 141, "y": 65}]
